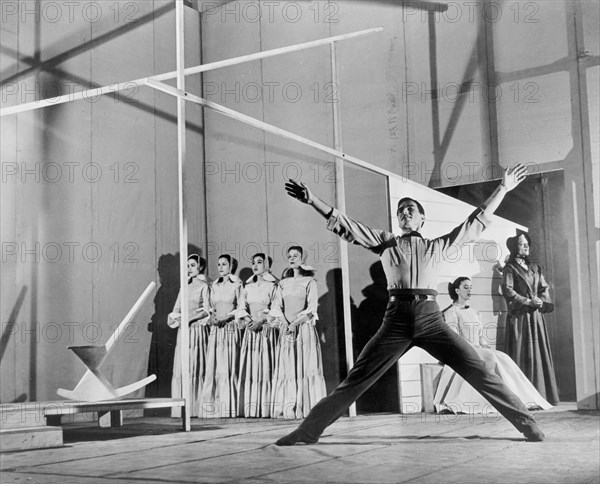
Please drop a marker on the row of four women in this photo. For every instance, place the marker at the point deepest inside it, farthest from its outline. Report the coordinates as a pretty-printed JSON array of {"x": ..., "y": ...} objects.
[{"x": 254, "y": 349}]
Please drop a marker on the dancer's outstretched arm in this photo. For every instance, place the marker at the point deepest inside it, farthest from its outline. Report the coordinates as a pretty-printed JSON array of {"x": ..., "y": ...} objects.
[
  {"x": 340, "y": 224},
  {"x": 301, "y": 192},
  {"x": 510, "y": 179}
]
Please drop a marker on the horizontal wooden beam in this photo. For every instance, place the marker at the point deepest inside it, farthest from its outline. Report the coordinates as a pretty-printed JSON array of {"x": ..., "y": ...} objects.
[
  {"x": 269, "y": 128},
  {"x": 61, "y": 407},
  {"x": 121, "y": 86}
]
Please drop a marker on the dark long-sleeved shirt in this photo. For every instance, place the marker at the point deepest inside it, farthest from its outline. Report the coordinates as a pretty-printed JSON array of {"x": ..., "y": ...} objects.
[{"x": 409, "y": 261}]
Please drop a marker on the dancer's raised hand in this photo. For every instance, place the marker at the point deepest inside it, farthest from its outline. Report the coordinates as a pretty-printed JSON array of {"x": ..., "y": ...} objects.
[
  {"x": 298, "y": 190},
  {"x": 513, "y": 176}
]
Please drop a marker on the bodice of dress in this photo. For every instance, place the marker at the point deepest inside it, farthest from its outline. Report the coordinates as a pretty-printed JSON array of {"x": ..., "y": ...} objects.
[
  {"x": 198, "y": 298},
  {"x": 298, "y": 294},
  {"x": 520, "y": 284},
  {"x": 198, "y": 291},
  {"x": 258, "y": 294},
  {"x": 224, "y": 295},
  {"x": 465, "y": 321}
]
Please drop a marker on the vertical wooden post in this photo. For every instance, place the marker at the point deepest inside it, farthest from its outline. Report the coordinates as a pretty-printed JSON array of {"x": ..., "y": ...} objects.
[
  {"x": 489, "y": 108},
  {"x": 341, "y": 204},
  {"x": 183, "y": 232},
  {"x": 579, "y": 181}
]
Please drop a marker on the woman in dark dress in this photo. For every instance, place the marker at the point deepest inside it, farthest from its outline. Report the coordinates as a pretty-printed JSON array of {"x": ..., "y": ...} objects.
[{"x": 528, "y": 298}]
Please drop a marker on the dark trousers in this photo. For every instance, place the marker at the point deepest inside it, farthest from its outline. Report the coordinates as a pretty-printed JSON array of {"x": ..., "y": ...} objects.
[{"x": 407, "y": 324}]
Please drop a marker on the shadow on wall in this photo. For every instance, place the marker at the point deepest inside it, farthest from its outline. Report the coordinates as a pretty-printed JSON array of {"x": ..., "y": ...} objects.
[
  {"x": 12, "y": 321},
  {"x": 164, "y": 338},
  {"x": 331, "y": 330},
  {"x": 383, "y": 395},
  {"x": 8, "y": 331},
  {"x": 34, "y": 64},
  {"x": 493, "y": 327}
]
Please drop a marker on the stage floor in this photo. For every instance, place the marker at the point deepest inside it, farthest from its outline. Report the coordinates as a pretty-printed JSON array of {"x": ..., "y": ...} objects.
[{"x": 381, "y": 448}]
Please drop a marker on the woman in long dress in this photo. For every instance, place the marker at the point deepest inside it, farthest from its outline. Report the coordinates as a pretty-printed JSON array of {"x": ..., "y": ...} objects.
[
  {"x": 298, "y": 382},
  {"x": 528, "y": 298},
  {"x": 218, "y": 395},
  {"x": 257, "y": 358},
  {"x": 453, "y": 393},
  {"x": 198, "y": 297}
]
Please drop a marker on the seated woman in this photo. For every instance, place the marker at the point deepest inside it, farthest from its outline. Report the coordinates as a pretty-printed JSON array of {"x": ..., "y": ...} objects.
[
  {"x": 257, "y": 358},
  {"x": 453, "y": 393},
  {"x": 198, "y": 296}
]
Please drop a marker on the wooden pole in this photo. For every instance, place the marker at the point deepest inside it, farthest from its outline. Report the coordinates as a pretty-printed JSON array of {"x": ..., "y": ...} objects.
[
  {"x": 183, "y": 229},
  {"x": 583, "y": 237},
  {"x": 132, "y": 312},
  {"x": 341, "y": 204},
  {"x": 121, "y": 86},
  {"x": 269, "y": 128}
]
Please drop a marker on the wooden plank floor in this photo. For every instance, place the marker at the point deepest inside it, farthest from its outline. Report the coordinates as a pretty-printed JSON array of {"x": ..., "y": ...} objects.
[{"x": 382, "y": 448}]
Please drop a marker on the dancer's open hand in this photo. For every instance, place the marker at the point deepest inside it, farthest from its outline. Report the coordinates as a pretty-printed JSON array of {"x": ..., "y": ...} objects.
[
  {"x": 298, "y": 190},
  {"x": 513, "y": 176}
]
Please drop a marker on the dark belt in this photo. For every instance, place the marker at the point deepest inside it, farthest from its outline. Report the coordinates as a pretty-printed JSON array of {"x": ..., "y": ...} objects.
[{"x": 412, "y": 295}]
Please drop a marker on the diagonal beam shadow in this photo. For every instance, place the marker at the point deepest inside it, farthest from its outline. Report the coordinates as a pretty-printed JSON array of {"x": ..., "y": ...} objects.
[
  {"x": 559, "y": 65},
  {"x": 465, "y": 88},
  {"x": 440, "y": 146},
  {"x": 118, "y": 96},
  {"x": 12, "y": 321},
  {"x": 59, "y": 59},
  {"x": 49, "y": 66},
  {"x": 36, "y": 65}
]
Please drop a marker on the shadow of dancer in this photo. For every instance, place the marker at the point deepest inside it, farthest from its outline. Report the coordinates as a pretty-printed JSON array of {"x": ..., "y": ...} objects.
[
  {"x": 164, "y": 339},
  {"x": 383, "y": 395},
  {"x": 331, "y": 329}
]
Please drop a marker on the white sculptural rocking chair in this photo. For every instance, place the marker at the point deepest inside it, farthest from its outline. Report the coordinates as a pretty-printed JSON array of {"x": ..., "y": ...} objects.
[{"x": 94, "y": 386}]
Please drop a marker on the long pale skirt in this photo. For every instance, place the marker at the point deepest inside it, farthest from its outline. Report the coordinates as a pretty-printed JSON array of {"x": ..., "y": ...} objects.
[
  {"x": 298, "y": 382},
  {"x": 454, "y": 394},
  {"x": 198, "y": 342},
  {"x": 257, "y": 363},
  {"x": 218, "y": 394}
]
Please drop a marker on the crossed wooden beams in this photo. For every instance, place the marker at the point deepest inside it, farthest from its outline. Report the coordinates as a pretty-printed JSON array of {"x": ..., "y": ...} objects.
[
  {"x": 121, "y": 86},
  {"x": 94, "y": 386}
]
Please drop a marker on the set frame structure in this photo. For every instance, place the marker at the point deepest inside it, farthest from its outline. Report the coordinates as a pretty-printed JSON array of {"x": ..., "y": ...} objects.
[{"x": 182, "y": 97}]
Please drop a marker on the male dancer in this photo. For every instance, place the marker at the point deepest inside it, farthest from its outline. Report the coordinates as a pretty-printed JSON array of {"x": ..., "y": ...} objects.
[{"x": 412, "y": 318}]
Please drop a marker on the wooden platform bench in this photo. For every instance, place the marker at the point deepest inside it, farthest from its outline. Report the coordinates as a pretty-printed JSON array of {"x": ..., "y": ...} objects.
[
  {"x": 110, "y": 413},
  {"x": 30, "y": 425}
]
